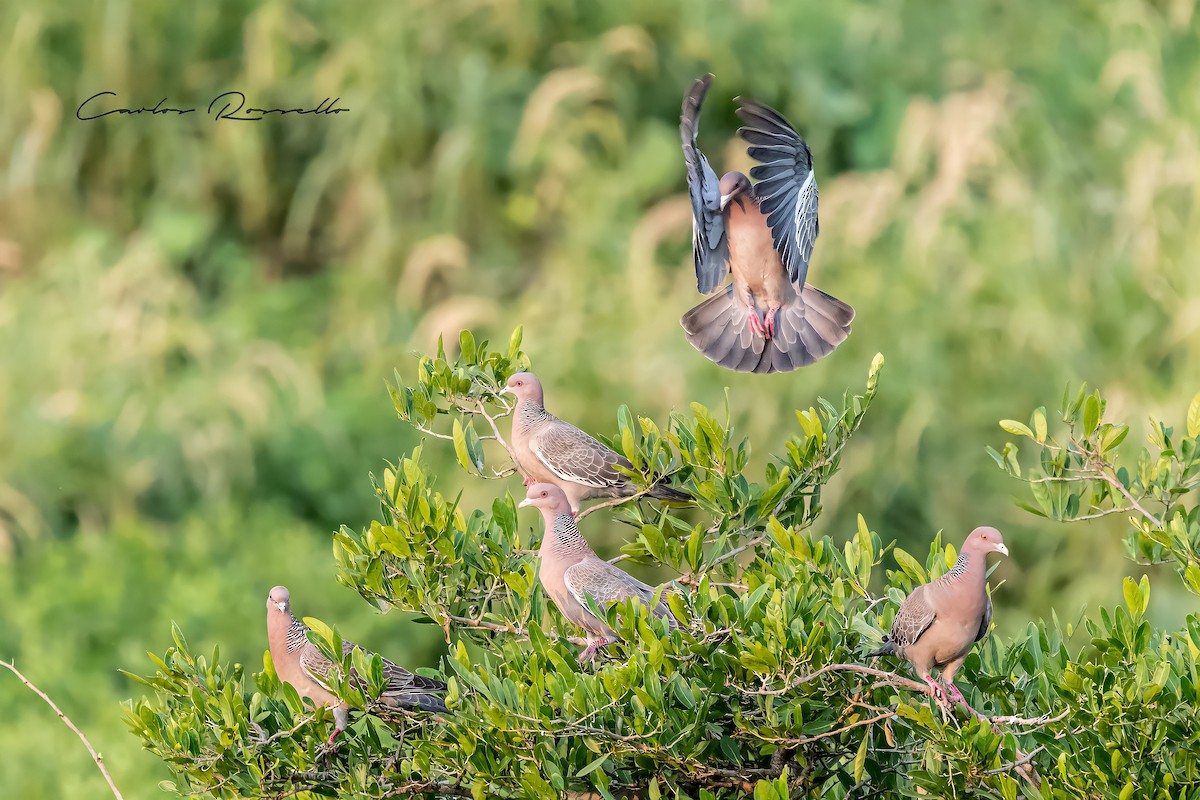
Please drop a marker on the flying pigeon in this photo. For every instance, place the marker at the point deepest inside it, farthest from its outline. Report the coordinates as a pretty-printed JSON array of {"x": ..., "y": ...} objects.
[
  {"x": 301, "y": 663},
  {"x": 939, "y": 622},
  {"x": 767, "y": 319},
  {"x": 552, "y": 451},
  {"x": 571, "y": 572}
]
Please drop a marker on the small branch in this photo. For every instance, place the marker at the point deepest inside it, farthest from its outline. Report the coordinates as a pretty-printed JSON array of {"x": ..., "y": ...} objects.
[
  {"x": 1020, "y": 762},
  {"x": 803, "y": 740},
  {"x": 515, "y": 630},
  {"x": 491, "y": 421},
  {"x": 616, "y": 501},
  {"x": 11, "y": 667},
  {"x": 1112, "y": 481}
]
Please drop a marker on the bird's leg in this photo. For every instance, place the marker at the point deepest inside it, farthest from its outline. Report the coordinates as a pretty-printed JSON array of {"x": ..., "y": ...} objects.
[
  {"x": 528, "y": 481},
  {"x": 769, "y": 320},
  {"x": 341, "y": 718},
  {"x": 939, "y": 694},
  {"x": 755, "y": 323},
  {"x": 589, "y": 652},
  {"x": 957, "y": 698}
]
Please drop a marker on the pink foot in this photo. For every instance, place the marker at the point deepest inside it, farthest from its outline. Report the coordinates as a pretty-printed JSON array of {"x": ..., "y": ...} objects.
[
  {"x": 527, "y": 482},
  {"x": 769, "y": 320},
  {"x": 589, "y": 652},
  {"x": 333, "y": 736},
  {"x": 756, "y": 324},
  {"x": 956, "y": 698},
  {"x": 939, "y": 694}
]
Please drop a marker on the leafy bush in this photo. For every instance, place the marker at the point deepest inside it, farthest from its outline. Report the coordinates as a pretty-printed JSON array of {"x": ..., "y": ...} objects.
[{"x": 763, "y": 692}]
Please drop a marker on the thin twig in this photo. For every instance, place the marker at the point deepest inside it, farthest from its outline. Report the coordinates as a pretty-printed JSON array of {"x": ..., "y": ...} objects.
[
  {"x": 1113, "y": 481},
  {"x": 491, "y": 421},
  {"x": 1020, "y": 762},
  {"x": 11, "y": 667},
  {"x": 616, "y": 501},
  {"x": 515, "y": 630}
]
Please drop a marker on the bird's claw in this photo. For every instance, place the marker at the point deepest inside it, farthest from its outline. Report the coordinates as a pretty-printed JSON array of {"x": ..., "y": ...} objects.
[
  {"x": 756, "y": 324},
  {"x": 589, "y": 652},
  {"x": 769, "y": 322}
]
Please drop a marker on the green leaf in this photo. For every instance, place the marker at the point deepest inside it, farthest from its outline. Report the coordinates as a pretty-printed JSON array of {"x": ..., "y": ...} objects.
[
  {"x": 1193, "y": 417},
  {"x": 593, "y": 766},
  {"x": 1039, "y": 424},
  {"x": 1133, "y": 597},
  {"x": 474, "y": 447},
  {"x": 910, "y": 565},
  {"x": 1091, "y": 414},
  {"x": 1016, "y": 428},
  {"x": 466, "y": 346},
  {"x": 860, "y": 760},
  {"x": 460, "y": 446},
  {"x": 514, "y": 342}
]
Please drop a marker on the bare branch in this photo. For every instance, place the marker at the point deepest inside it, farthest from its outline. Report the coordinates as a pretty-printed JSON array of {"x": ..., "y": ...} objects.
[
  {"x": 616, "y": 501},
  {"x": 11, "y": 667}
]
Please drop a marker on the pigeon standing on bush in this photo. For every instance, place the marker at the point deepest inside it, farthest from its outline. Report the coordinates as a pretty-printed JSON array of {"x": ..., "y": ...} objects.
[
  {"x": 938, "y": 623},
  {"x": 571, "y": 572},
  {"x": 552, "y": 451},
  {"x": 302, "y": 664},
  {"x": 766, "y": 319}
]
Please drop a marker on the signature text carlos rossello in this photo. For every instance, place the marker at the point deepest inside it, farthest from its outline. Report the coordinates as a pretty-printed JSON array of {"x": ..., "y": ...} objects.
[{"x": 229, "y": 105}]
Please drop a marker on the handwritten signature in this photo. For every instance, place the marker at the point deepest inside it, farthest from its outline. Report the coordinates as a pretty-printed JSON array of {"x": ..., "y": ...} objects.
[{"x": 228, "y": 105}]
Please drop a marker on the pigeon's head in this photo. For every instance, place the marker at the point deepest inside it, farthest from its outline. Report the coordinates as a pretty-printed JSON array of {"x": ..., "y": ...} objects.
[
  {"x": 548, "y": 497},
  {"x": 524, "y": 386},
  {"x": 986, "y": 540},
  {"x": 279, "y": 599},
  {"x": 733, "y": 185}
]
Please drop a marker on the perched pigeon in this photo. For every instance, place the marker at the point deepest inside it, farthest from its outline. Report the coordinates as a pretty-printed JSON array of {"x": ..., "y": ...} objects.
[
  {"x": 767, "y": 319},
  {"x": 300, "y": 663},
  {"x": 552, "y": 451},
  {"x": 571, "y": 572},
  {"x": 938, "y": 623}
]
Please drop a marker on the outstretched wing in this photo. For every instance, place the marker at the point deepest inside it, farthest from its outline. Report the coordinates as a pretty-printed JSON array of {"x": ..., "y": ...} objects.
[
  {"x": 573, "y": 455},
  {"x": 710, "y": 245},
  {"x": 786, "y": 188},
  {"x": 912, "y": 619}
]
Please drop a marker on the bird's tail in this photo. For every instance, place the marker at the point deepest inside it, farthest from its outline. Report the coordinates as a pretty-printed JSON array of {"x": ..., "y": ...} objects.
[
  {"x": 661, "y": 491},
  {"x": 888, "y": 649},
  {"x": 430, "y": 702},
  {"x": 807, "y": 329},
  {"x": 717, "y": 328}
]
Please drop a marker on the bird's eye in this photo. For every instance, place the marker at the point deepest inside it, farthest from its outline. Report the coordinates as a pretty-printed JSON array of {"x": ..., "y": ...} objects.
[
  {"x": 983, "y": 536},
  {"x": 544, "y": 494}
]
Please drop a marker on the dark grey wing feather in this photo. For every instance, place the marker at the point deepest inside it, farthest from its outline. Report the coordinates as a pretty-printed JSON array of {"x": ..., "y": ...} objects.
[
  {"x": 786, "y": 188},
  {"x": 402, "y": 688},
  {"x": 607, "y": 584},
  {"x": 710, "y": 245},
  {"x": 912, "y": 619},
  {"x": 986, "y": 622},
  {"x": 575, "y": 456}
]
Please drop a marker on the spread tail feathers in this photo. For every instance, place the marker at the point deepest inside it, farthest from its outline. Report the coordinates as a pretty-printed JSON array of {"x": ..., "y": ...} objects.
[{"x": 807, "y": 329}]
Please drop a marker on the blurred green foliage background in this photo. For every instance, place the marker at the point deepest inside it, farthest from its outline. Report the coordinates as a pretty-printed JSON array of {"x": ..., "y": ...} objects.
[{"x": 197, "y": 317}]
